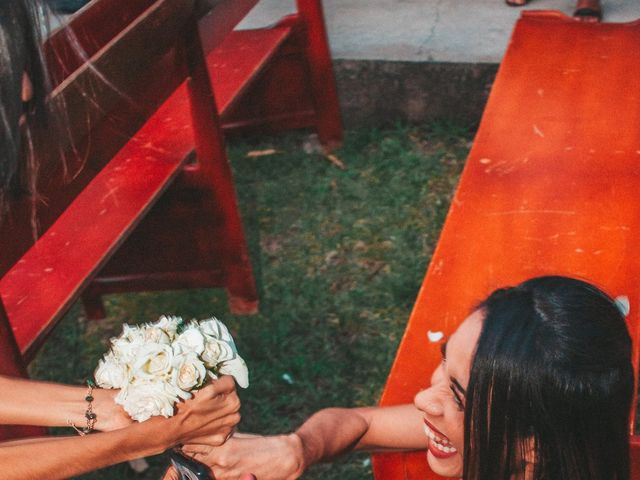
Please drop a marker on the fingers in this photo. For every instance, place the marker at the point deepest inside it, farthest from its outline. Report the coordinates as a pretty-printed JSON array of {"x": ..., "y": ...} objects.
[
  {"x": 222, "y": 390},
  {"x": 171, "y": 474},
  {"x": 217, "y": 439},
  {"x": 211, "y": 415},
  {"x": 217, "y": 431},
  {"x": 194, "y": 449},
  {"x": 224, "y": 385}
]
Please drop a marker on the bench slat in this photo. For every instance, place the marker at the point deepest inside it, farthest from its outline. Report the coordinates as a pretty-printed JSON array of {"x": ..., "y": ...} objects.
[
  {"x": 68, "y": 48},
  {"x": 41, "y": 286},
  {"x": 100, "y": 116},
  {"x": 239, "y": 60},
  {"x": 219, "y": 17}
]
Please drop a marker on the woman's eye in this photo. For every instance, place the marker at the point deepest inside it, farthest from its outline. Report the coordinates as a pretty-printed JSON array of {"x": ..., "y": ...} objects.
[
  {"x": 443, "y": 351},
  {"x": 456, "y": 398}
]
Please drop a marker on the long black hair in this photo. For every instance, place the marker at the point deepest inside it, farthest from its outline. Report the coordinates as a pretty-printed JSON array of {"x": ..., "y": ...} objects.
[
  {"x": 551, "y": 385},
  {"x": 23, "y": 24}
]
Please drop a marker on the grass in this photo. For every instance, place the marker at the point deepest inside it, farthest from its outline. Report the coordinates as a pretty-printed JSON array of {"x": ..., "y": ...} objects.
[{"x": 338, "y": 255}]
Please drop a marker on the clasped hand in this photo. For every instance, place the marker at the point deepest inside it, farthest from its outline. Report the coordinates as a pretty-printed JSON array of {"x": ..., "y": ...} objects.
[
  {"x": 246, "y": 457},
  {"x": 210, "y": 416}
]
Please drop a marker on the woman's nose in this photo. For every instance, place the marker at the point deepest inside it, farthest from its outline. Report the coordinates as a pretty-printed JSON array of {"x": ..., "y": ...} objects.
[{"x": 429, "y": 402}]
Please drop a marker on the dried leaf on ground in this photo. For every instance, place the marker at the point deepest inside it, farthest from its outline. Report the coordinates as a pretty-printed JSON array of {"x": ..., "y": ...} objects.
[
  {"x": 335, "y": 160},
  {"x": 261, "y": 153}
]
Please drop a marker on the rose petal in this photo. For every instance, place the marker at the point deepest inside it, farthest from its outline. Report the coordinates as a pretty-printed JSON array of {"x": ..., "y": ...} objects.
[
  {"x": 435, "y": 336},
  {"x": 238, "y": 369}
]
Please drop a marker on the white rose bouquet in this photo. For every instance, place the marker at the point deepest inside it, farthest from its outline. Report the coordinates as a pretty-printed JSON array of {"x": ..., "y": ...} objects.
[{"x": 156, "y": 364}]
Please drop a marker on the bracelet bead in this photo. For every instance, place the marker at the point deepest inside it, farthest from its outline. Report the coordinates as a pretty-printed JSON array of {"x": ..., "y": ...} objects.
[{"x": 88, "y": 414}]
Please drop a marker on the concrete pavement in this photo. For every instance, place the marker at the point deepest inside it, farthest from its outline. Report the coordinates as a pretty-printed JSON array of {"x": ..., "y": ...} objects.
[{"x": 459, "y": 31}]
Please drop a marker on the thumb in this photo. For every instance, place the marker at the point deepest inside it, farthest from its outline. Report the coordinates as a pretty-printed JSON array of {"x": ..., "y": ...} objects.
[{"x": 171, "y": 474}]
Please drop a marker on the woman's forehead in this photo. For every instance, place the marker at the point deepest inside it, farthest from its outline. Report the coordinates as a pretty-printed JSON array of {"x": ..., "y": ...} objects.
[{"x": 461, "y": 347}]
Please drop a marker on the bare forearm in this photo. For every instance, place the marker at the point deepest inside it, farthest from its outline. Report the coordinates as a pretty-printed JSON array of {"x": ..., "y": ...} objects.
[
  {"x": 332, "y": 432},
  {"x": 22, "y": 402},
  {"x": 29, "y": 402},
  {"x": 64, "y": 457}
]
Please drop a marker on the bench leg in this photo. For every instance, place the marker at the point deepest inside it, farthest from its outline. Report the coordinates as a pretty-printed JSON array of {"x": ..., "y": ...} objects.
[
  {"x": 213, "y": 173},
  {"x": 93, "y": 305},
  {"x": 323, "y": 80},
  {"x": 11, "y": 362},
  {"x": 241, "y": 290}
]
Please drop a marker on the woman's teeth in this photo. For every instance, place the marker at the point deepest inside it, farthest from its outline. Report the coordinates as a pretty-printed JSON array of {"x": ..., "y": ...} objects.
[{"x": 440, "y": 443}]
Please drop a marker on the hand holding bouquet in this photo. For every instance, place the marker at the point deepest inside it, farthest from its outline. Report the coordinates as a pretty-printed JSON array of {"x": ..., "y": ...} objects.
[{"x": 154, "y": 365}]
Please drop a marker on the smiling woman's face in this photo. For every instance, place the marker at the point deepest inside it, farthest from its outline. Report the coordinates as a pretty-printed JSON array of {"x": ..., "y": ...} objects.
[{"x": 442, "y": 404}]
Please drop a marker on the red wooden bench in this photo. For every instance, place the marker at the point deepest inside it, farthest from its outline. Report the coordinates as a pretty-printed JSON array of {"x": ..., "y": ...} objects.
[
  {"x": 551, "y": 186},
  {"x": 145, "y": 197}
]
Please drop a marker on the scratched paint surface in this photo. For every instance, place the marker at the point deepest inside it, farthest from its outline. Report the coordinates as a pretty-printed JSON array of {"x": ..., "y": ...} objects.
[
  {"x": 78, "y": 238},
  {"x": 551, "y": 186}
]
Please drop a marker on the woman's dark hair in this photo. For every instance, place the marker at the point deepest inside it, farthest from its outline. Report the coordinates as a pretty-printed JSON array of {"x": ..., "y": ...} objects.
[
  {"x": 23, "y": 24},
  {"x": 551, "y": 385}
]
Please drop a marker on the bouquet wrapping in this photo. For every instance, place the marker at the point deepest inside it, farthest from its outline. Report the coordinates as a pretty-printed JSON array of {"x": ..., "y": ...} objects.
[{"x": 157, "y": 364}]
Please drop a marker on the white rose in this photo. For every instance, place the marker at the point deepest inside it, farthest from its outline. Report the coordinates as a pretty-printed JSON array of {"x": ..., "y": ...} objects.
[
  {"x": 216, "y": 351},
  {"x": 153, "y": 361},
  {"x": 188, "y": 371},
  {"x": 147, "y": 399},
  {"x": 237, "y": 368},
  {"x": 111, "y": 373},
  {"x": 153, "y": 334},
  {"x": 124, "y": 350},
  {"x": 169, "y": 324},
  {"x": 214, "y": 328},
  {"x": 190, "y": 340},
  {"x": 131, "y": 333}
]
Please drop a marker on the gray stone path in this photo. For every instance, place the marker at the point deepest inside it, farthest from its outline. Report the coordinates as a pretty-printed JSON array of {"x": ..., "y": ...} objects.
[{"x": 468, "y": 31}]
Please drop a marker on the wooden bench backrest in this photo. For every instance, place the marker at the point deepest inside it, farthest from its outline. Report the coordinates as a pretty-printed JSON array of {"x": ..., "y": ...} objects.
[
  {"x": 138, "y": 54},
  {"x": 551, "y": 186}
]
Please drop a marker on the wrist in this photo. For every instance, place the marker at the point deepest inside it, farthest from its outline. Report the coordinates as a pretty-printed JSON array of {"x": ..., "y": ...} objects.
[
  {"x": 300, "y": 452},
  {"x": 78, "y": 409},
  {"x": 174, "y": 430},
  {"x": 110, "y": 415},
  {"x": 164, "y": 431}
]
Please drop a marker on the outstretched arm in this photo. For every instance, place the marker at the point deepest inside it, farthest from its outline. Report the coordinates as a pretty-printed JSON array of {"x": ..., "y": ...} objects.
[
  {"x": 324, "y": 436},
  {"x": 211, "y": 414},
  {"x": 334, "y": 431},
  {"x": 30, "y": 402}
]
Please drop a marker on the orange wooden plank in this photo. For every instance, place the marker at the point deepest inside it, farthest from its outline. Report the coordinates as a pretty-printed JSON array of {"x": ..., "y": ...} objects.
[
  {"x": 551, "y": 186},
  {"x": 239, "y": 60},
  {"x": 41, "y": 286}
]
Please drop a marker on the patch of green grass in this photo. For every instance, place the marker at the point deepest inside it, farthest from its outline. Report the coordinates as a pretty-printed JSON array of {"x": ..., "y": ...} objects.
[{"x": 338, "y": 255}]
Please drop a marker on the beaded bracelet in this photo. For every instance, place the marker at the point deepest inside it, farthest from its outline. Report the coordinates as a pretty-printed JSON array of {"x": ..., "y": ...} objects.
[{"x": 89, "y": 413}]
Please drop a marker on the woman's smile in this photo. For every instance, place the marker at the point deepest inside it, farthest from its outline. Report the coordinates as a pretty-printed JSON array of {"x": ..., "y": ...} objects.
[{"x": 439, "y": 444}]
